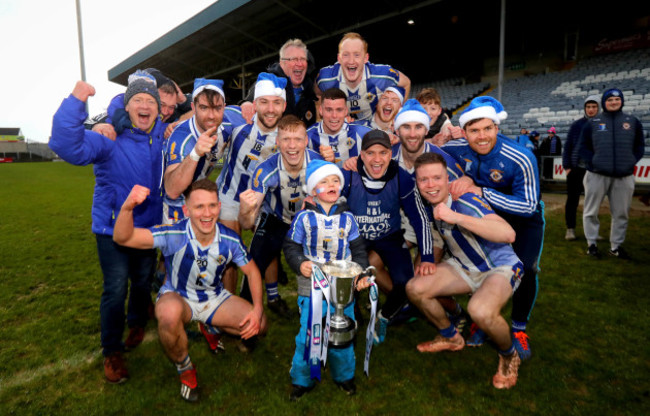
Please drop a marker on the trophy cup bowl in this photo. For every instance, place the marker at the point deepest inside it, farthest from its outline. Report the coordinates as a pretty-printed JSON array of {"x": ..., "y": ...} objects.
[{"x": 341, "y": 274}]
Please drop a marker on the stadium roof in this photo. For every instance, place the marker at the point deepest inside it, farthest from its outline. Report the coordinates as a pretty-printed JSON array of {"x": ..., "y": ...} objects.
[{"x": 235, "y": 37}]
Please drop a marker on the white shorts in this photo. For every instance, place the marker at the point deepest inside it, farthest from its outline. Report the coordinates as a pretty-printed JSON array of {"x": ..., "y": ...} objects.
[
  {"x": 476, "y": 279},
  {"x": 229, "y": 210},
  {"x": 201, "y": 311}
]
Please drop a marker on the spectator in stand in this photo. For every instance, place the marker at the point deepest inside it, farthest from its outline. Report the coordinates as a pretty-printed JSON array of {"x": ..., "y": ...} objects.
[
  {"x": 574, "y": 173},
  {"x": 611, "y": 144},
  {"x": 524, "y": 140},
  {"x": 551, "y": 146}
]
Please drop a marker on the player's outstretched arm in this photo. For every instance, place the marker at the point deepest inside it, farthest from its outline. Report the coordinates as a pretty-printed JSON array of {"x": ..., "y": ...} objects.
[
  {"x": 179, "y": 176},
  {"x": 124, "y": 233}
]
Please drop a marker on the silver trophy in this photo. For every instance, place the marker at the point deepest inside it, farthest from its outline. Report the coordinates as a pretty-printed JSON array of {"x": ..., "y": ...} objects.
[{"x": 342, "y": 275}]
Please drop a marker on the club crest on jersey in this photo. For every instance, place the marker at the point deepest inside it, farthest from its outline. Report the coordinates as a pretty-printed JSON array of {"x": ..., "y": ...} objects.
[
  {"x": 496, "y": 175},
  {"x": 602, "y": 127},
  {"x": 626, "y": 126},
  {"x": 221, "y": 259},
  {"x": 350, "y": 142},
  {"x": 341, "y": 233},
  {"x": 309, "y": 115}
]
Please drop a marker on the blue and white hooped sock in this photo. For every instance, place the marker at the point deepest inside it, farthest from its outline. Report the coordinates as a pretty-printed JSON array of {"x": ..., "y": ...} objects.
[
  {"x": 184, "y": 365},
  {"x": 272, "y": 291},
  {"x": 518, "y": 326}
]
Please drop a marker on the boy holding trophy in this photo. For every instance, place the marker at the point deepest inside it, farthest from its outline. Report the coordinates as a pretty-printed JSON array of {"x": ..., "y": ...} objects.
[{"x": 324, "y": 231}]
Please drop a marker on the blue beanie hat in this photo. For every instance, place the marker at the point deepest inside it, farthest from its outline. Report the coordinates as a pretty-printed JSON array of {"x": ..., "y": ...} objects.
[
  {"x": 483, "y": 107},
  {"x": 412, "y": 110},
  {"x": 141, "y": 82},
  {"x": 612, "y": 92},
  {"x": 317, "y": 170}
]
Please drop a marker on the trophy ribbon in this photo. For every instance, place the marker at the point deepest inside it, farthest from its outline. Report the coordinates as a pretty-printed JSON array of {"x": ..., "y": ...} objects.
[
  {"x": 373, "y": 296},
  {"x": 318, "y": 336}
]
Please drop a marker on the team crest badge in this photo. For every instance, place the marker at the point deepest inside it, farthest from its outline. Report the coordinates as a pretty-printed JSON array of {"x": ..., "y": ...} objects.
[
  {"x": 341, "y": 233},
  {"x": 626, "y": 126},
  {"x": 221, "y": 259},
  {"x": 370, "y": 97},
  {"x": 496, "y": 175},
  {"x": 350, "y": 142},
  {"x": 309, "y": 115}
]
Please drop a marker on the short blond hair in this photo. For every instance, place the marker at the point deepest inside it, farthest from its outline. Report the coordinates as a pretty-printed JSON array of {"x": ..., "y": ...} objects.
[{"x": 351, "y": 36}]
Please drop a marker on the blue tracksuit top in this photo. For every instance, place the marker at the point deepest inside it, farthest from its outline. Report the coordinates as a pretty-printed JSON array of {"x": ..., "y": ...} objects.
[{"x": 508, "y": 174}]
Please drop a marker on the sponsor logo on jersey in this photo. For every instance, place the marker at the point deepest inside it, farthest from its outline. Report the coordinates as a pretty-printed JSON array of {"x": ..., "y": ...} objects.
[
  {"x": 602, "y": 127},
  {"x": 480, "y": 201},
  {"x": 172, "y": 151},
  {"x": 256, "y": 180}
]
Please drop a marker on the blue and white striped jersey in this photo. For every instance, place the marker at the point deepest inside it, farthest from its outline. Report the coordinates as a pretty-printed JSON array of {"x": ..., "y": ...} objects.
[
  {"x": 508, "y": 174},
  {"x": 454, "y": 170},
  {"x": 474, "y": 253},
  {"x": 324, "y": 237},
  {"x": 180, "y": 145},
  {"x": 345, "y": 144},
  {"x": 283, "y": 194},
  {"x": 362, "y": 101},
  {"x": 248, "y": 148},
  {"x": 372, "y": 125},
  {"x": 195, "y": 271}
]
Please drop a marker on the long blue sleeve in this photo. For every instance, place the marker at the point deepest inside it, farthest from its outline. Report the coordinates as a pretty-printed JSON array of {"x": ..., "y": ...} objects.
[{"x": 71, "y": 141}]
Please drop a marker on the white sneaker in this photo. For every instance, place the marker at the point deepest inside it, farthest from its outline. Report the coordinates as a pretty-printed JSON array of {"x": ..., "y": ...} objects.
[{"x": 570, "y": 234}]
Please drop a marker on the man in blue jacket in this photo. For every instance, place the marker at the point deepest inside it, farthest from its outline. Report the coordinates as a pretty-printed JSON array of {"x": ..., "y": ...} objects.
[
  {"x": 610, "y": 145},
  {"x": 574, "y": 173},
  {"x": 134, "y": 157}
]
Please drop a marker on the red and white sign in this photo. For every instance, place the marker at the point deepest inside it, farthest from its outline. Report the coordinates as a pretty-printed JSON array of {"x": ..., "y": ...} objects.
[{"x": 641, "y": 170}]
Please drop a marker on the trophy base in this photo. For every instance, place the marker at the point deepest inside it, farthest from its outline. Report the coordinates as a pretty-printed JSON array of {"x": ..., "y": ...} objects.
[{"x": 342, "y": 336}]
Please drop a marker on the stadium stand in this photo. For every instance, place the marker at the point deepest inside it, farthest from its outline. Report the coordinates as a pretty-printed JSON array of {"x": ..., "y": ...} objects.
[{"x": 556, "y": 98}]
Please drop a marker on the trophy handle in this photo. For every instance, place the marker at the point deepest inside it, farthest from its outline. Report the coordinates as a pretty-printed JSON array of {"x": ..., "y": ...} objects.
[{"x": 370, "y": 272}]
